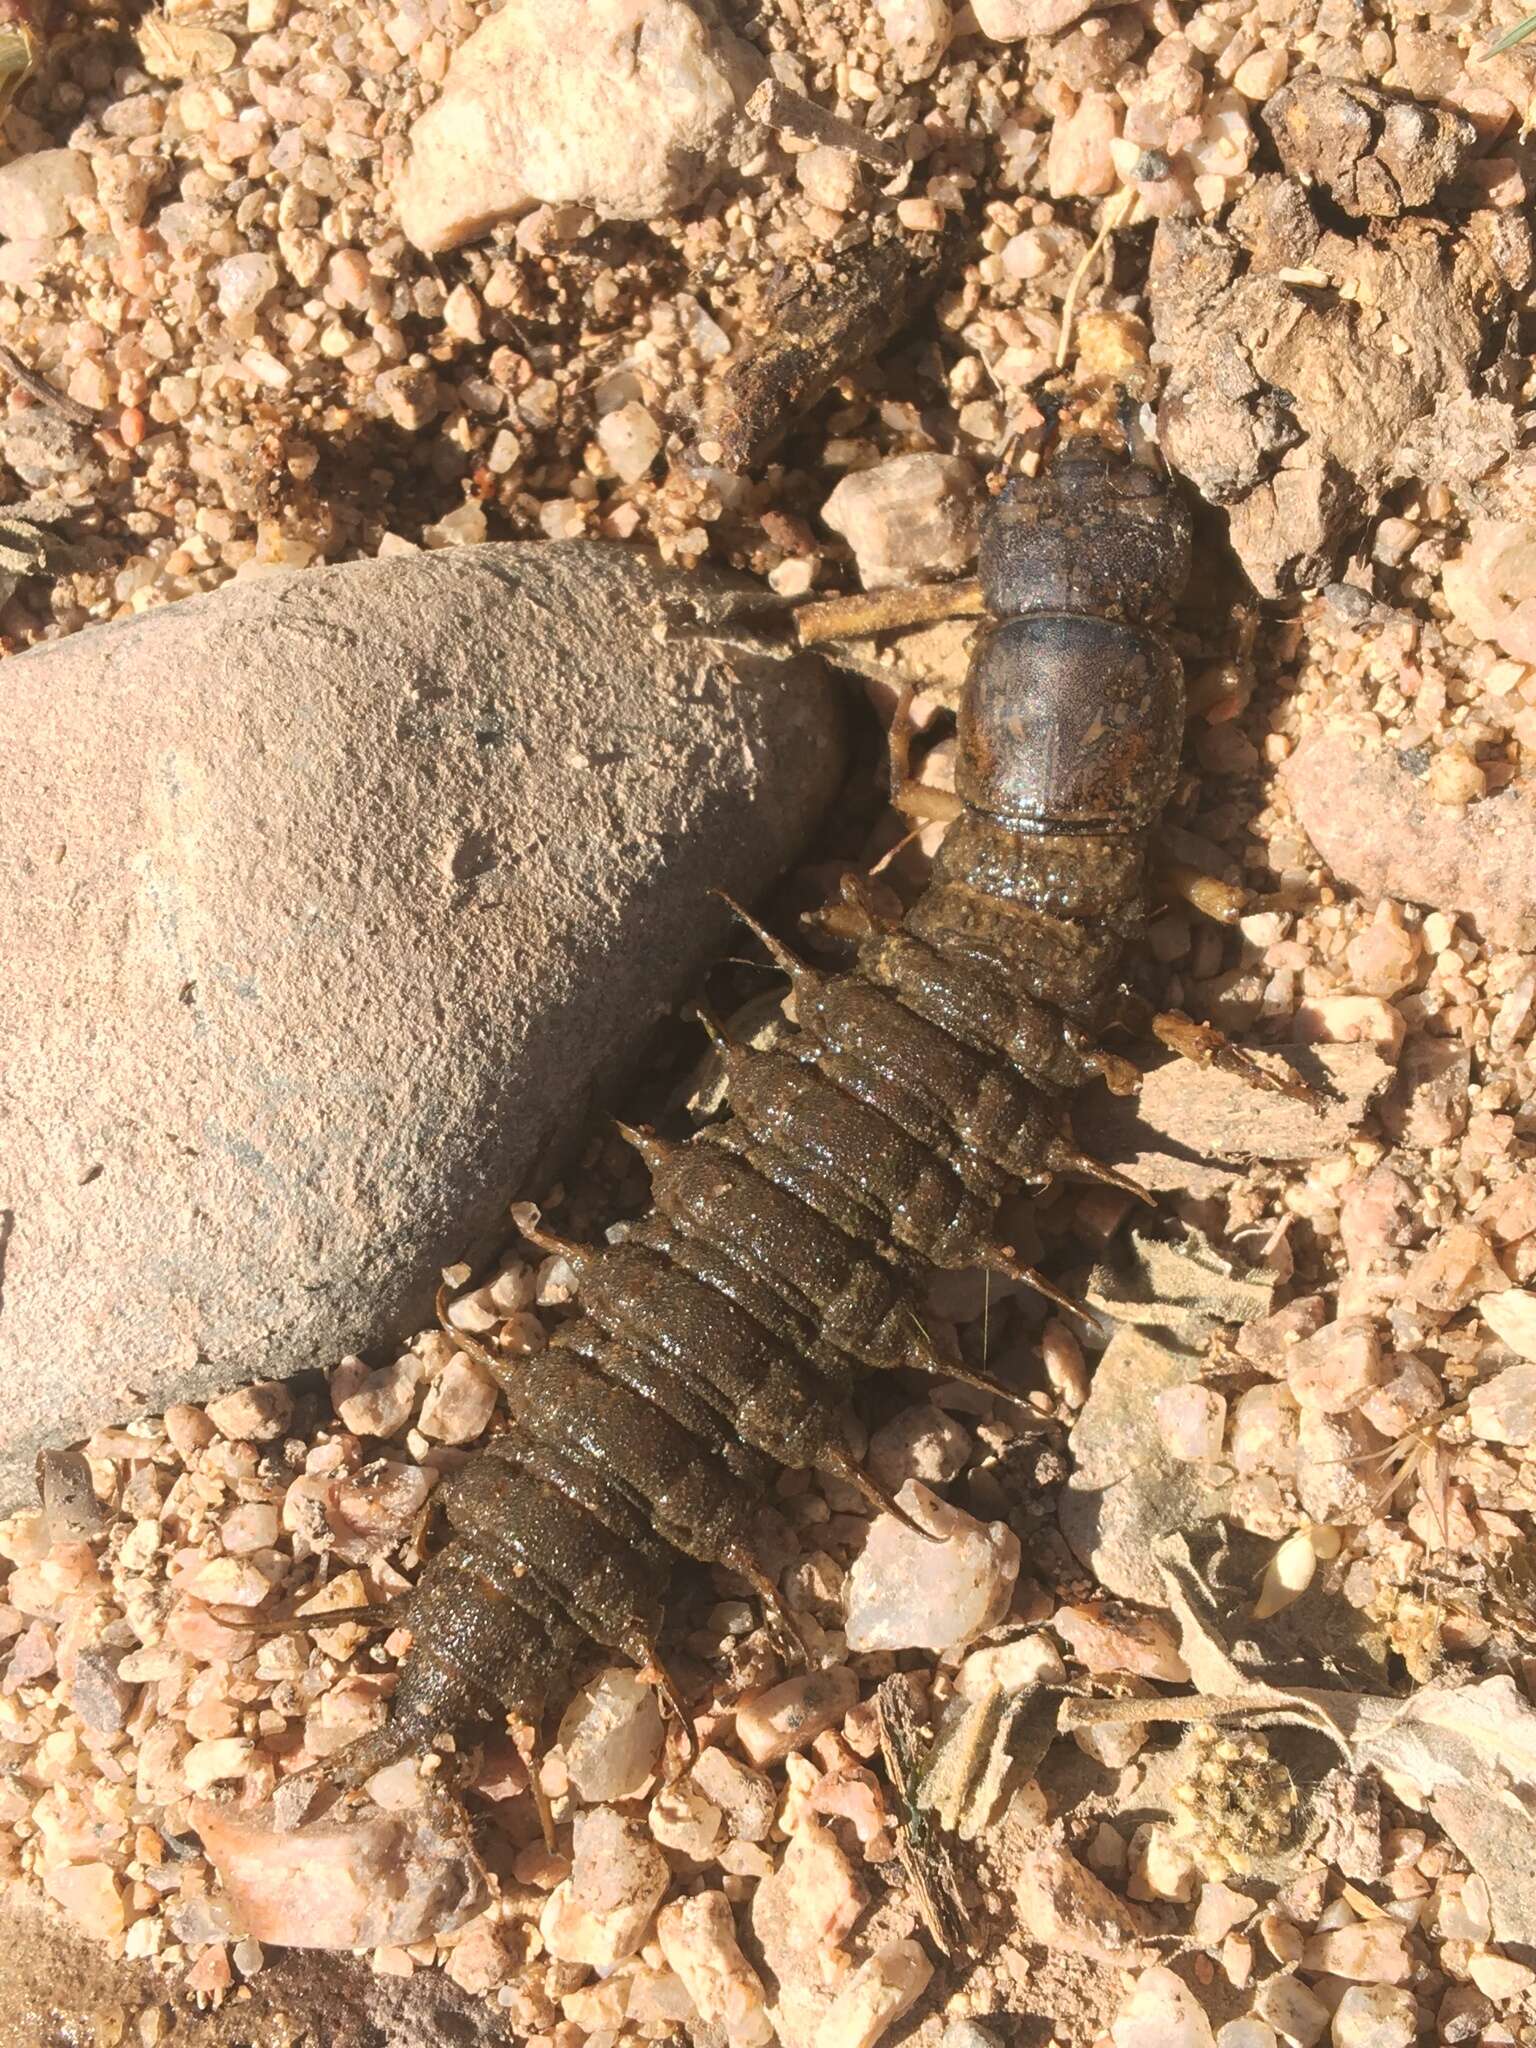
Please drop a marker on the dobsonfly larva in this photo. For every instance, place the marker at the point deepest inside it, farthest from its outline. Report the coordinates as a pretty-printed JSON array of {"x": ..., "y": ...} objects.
[{"x": 784, "y": 1255}]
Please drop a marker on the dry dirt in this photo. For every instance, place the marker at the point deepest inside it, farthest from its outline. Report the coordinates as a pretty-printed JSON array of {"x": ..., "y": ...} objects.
[{"x": 1328, "y": 1347}]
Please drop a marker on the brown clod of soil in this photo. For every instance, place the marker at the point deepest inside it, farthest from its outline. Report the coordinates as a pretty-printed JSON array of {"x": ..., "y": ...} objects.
[
  {"x": 811, "y": 326},
  {"x": 1376, "y": 155},
  {"x": 1307, "y": 370}
]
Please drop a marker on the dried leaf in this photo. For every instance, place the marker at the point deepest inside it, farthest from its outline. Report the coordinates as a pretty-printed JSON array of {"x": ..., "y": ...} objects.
[
  {"x": 1469, "y": 1752},
  {"x": 984, "y": 1751},
  {"x": 184, "y": 49},
  {"x": 924, "y": 1854},
  {"x": 1126, "y": 1489},
  {"x": 1181, "y": 1283}
]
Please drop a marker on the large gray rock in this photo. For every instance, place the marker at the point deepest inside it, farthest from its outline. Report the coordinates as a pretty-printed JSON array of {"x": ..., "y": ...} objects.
[
  {"x": 326, "y": 903},
  {"x": 56, "y": 1985}
]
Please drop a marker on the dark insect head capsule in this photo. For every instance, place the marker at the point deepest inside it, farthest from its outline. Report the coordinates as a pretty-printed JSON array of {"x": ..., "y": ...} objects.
[{"x": 1074, "y": 712}]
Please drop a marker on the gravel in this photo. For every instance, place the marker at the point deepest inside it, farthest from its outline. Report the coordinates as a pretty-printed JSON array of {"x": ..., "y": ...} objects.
[{"x": 280, "y": 377}]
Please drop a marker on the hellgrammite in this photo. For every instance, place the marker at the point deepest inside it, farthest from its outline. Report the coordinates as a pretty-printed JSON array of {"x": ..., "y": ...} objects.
[{"x": 788, "y": 1246}]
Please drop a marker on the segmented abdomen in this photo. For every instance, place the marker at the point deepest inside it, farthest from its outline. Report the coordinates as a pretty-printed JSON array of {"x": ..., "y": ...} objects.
[{"x": 788, "y": 1245}]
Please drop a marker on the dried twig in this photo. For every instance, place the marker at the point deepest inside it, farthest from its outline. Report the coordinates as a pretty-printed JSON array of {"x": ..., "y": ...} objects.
[
  {"x": 1116, "y": 214},
  {"x": 919, "y": 1842},
  {"x": 792, "y": 114},
  {"x": 882, "y": 611},
  {"x": 44, "y": 392}
]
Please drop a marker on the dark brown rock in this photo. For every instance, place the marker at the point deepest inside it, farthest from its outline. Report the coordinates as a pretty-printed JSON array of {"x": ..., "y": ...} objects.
[
  {"x": 1308, "y": 370},
  {"x": 327, "y": 901},
  {"x": 96, "y": 1693},
  {"x": 1374, "y": 154}
]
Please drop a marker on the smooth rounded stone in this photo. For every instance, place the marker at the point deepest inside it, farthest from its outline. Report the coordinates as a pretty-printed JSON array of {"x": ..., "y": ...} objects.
[
  {"x": 629, "y": 107},
  {"x": 1078, "y": 160},
  {"x": 785, "y": 1717},
  {"x": 35, "y": 191},
  {"x": 395, "y": 864},
  {"x": 907, "y": 1592},
  {"x": 919, "y": 31},
  {"x": 611, "y": 1736}
]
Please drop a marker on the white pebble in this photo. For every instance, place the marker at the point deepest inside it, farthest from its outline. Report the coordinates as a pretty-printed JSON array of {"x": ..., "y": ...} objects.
[
  {"x": 382, "y": 1403},
  {"x": 919, "y": 31},
  {"x": 611, "y": 1735},
  {"x": 1191, "y": 1421},
  {"x": 1295, "y": 2013},
  {"x": 602, "y": 1912},
  {"x": 786, "y": 1717},
  {"x": 35, "y": 190},
  {"x": 875, "y": 1996},
  {"x": 1375, "y": 2016},
  {"x": 1009, "y": 21},
  {"x": 698, "y": 1939},
  {"x": 910, "y": 518},
  {"x": 1512, "y": 1318},
  {"x": 631, "y": 440},
  {"x": 828, "y": 177},
  {"x": 211, "y": 1763},
  {"x": 1161, "y": 2012},
  {"x": 624, "y": 106},
  {"x": 907, "y": 1592},
  {"x": 244, "y": 283},
  {"x": 1261, "y": 74},
  {"x": 459, "y": 1403},
  {"x": 253, "y": 1414}
]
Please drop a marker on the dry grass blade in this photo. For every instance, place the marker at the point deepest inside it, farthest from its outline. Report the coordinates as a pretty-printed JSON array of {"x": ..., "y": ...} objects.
[{"x": 1512, "y": 36}]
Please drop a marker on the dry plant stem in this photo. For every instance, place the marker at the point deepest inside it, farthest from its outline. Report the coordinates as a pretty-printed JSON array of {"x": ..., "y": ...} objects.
[
  {"x": 792, "y": 114},
  {"x": 1222, "y": 902},
  {"x": 30, "y": 382},
  {"x": 1079, "y": 1713},
  {"x": 1116, "y": 214},
  {"x": 1208, "y": 1047},
  {"x": 886, "y": 611},
  {"x": 919, "y": 1842},
  {"x": 814, "y": 327}
]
